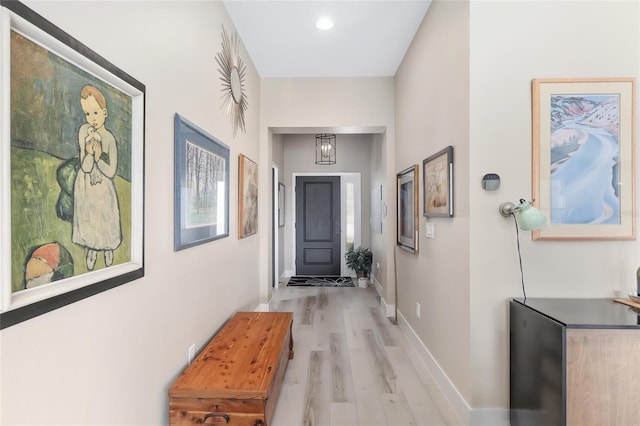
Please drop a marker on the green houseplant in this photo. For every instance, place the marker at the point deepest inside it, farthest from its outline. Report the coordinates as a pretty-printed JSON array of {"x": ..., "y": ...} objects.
[{"x": 359, "y": 260}]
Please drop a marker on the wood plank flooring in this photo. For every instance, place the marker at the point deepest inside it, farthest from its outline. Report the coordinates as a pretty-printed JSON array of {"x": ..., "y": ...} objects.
[{"x": 352, "y": 366}]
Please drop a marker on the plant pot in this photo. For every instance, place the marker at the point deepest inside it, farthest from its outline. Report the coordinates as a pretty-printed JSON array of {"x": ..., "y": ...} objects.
[{"x": 362, "y": 282}]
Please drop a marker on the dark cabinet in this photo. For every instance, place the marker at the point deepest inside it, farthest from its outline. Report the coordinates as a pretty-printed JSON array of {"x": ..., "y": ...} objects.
[{"x": 574, "y": 362}]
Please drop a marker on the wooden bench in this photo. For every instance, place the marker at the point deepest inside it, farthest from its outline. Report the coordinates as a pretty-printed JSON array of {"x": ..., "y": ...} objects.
[{"x": 237, "y": 377}]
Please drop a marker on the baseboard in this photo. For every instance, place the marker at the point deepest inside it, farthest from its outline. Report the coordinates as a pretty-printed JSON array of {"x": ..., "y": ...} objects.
[
  {"x": 388, "y": 310},
  {"x": 467, "y": 415},
  {"x": 263, "y": 307}
]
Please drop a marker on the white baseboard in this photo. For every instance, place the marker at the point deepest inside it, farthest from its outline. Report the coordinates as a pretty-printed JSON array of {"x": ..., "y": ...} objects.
[
  {"x": 388, "y": 310},
  {"x": 263, "y": 307},
  {"x": 468, "y": 416}
]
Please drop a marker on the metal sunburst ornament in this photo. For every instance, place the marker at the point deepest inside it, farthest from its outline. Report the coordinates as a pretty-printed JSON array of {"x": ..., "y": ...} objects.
[{"x": 233, "y": 71}]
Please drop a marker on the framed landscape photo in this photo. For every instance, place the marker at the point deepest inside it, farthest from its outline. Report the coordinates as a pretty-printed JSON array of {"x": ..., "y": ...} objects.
[
  {"x": 408, "y": 209},
  {"x": 201, "y": 186},
  {"x": 583, "y": 158},
  {"x": 247, "y": 197},
  {"x": 71, "y": 169},
  {"x": 438, "y": 184}
]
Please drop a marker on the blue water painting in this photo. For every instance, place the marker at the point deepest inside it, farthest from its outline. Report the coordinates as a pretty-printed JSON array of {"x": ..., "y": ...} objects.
[{"x": 584, "y": 159}]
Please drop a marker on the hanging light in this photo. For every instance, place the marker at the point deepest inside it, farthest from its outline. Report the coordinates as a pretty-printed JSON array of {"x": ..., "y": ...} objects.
[{"x": 325, "y": 148}]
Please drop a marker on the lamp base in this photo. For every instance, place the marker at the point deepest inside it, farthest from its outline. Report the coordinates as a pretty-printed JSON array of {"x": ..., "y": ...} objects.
[{"x": 507, "y": 209}]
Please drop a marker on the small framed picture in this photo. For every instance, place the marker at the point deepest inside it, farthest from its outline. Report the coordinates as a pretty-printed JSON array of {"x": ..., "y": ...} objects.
[
  {"x": 247, "y": 197},
  {"x": 438, "y": 184},
  {"x": 408, "y": 209}
]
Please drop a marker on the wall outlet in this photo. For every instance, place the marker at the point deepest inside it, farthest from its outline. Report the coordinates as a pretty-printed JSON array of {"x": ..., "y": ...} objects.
[
  {"x": 191, "y": 353},
  {"x": 418, "y": 309}
]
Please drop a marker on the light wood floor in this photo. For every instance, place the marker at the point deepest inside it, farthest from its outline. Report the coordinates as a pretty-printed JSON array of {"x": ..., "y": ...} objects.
[{"x": 352, "y": 366}]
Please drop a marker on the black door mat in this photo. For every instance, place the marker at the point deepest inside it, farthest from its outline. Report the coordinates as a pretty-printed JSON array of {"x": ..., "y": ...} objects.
[{"x": 321, "y": 281}]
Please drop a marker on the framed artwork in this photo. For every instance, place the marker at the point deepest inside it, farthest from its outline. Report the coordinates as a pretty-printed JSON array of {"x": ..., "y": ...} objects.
[
  {"x": 408, "y": 209},
  {"x": 201, "y": 207},
  {"x": 247, "y": 197},
  {"x": 583, "y": 158},
  {"x": 438, "y": 184},
  {"x": 280, "y": 205},
  {"x": 71, "y": 169}
]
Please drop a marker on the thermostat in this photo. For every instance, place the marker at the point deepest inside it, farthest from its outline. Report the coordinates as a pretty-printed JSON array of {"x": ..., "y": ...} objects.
[{"x": 490, "y": 182}]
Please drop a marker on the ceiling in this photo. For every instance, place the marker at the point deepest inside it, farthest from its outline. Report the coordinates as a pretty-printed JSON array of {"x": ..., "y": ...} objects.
[{"x": 369, "y": 38}]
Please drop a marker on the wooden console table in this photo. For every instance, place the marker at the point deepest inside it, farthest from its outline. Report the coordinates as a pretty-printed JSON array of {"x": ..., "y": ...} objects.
[
  {"x": 574, "y": 362},
  {"x": 237, "y": 377}
]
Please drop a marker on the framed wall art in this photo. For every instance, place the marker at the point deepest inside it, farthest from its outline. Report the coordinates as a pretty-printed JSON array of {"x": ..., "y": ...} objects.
[
  {"x": 583, "y": 158},
  {"x": 201, "y": 186},
  {"x": 438, "y": 184},
  {"x": 408, "y": 209},
  {"x": 247, "y": 197},
  {"x": 281, "y": 189},
  {"x": 71, "y": 169}
]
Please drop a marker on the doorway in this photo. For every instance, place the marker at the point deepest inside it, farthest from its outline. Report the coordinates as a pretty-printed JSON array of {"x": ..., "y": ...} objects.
[
  {"x": 350, "y": 217},
  {"x": 318, "y": 225}
]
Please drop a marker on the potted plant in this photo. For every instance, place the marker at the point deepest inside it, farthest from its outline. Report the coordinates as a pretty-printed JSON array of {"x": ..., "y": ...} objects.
[{"x": 360, "y": 261}]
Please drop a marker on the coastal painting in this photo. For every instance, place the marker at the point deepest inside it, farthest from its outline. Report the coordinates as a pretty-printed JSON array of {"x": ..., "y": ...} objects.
[{"x": 583, "y": 138}]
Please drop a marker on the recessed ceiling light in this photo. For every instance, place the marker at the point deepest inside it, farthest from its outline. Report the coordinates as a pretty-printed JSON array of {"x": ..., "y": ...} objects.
[{"x": 324, "y": 23}]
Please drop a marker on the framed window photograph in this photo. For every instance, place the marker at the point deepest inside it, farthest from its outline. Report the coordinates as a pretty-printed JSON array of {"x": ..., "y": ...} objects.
[
  {"x": 281, "y": 189},
  {"x": 583, "y": 158},
  {"x": 247, "y": 197},
  {"x": 201, "y": 186},
  {"x": 71, "y": 169},
  {"x": 408, "y": 209},
  {"x": 438, "y": 184}
]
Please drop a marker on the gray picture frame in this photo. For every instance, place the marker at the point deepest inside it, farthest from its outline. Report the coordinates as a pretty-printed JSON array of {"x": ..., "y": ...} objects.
[{"x": 201, "y": 185}]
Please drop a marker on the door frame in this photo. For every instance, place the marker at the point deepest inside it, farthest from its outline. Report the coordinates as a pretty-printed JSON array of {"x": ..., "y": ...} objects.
[
  {"x": 275, "y": 243},
  {"x": 345, "y": 178}
]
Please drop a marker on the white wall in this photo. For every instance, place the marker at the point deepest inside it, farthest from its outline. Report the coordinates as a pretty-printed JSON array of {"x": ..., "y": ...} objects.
[
  {"x": 110, "y": 359},
  {"x": 432, "y": 97},
  {"x": 481, "y": 104},
  {"x": 538, "y": 40}
]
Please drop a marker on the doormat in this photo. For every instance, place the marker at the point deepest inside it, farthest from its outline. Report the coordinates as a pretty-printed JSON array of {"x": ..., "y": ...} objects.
[{"x": 322, "y": 281}]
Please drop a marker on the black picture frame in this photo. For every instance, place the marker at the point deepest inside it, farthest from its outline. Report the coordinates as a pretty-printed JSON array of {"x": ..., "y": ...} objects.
[
  {"x": 76, "y": 66},
  {"x": 201, "y": 174}
]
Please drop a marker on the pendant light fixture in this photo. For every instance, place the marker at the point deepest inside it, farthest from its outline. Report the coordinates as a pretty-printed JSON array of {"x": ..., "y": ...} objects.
[{"x": 325, "y": 148}]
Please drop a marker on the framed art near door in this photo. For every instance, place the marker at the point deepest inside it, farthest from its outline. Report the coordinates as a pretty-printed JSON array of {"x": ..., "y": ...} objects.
[
  {"x": 583, "y": 158},
  {"x": 71, "y": 169},
  {"x": 407, "y": 181}
]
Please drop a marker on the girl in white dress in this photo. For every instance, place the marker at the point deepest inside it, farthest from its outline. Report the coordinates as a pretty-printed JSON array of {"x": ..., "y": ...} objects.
[{"x": 96, "y": 213}]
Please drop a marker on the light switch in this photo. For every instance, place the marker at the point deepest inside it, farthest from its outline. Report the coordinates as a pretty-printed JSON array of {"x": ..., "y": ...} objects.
[{"x": 431, "y": 231}]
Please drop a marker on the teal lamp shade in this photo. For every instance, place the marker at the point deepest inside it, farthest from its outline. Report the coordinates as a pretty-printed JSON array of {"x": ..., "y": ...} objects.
[{"x": 529, "y": 217}]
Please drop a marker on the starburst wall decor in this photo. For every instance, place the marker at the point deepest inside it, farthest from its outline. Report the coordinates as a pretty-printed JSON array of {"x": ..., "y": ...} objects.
[{"x": 233, "y": 71}]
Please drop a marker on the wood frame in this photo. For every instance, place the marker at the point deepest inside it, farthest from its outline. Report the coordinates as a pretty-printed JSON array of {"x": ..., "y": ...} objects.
[
  {"x": 201, "y": 211},
  {"x": 573, "y": 117},
  {"x": 247, "y": 197},
  {"x": 94, "y": 169},
  {"x": 437, "y": 184},
  {"x": 407, "y": 209}
]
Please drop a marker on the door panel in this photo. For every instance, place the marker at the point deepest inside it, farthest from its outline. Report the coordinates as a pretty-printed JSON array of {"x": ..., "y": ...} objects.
[{"x": 318, "y": 225}]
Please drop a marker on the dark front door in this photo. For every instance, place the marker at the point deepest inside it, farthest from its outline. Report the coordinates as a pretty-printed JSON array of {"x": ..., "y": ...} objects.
[{"x": 318, "y": 225}]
